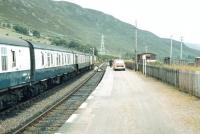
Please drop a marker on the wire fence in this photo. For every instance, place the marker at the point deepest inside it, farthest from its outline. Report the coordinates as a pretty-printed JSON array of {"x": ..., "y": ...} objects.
[
  {"x": 185, "y": 80},
  {"x": 176, "y": 61}
]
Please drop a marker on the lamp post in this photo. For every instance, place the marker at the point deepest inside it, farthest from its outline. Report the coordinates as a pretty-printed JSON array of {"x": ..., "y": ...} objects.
[
  {"x": 181, "y": 54},
  {"x": 92, "y": 51},
  {"x": 171, "y": 49},
  {"x": 92, "y": 56},
  {"x": 136, "y": 60}
]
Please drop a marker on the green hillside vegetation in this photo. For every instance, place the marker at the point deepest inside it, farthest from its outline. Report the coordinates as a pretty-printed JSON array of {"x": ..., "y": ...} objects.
[
  {"x": 73, "y": 23},
  {"x": 12, "y": 33}
]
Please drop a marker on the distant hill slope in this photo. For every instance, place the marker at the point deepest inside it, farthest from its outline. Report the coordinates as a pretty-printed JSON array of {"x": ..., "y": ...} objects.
[
  {"x": 72, "y": 22},
  {"x": 192, "y": 45}
]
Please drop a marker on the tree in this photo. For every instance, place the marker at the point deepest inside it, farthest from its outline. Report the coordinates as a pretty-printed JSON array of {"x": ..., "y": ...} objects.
[
  {"x": 36, "y": 33},
  {"x": 20, "y": 29},
  {"x": 58, "y": 42},
  {"x": 74, "y": 45},
  {"x": 95, "y": 51},
  {"x": 8, "y": 25},
  {"x": 3, "y": 25}
]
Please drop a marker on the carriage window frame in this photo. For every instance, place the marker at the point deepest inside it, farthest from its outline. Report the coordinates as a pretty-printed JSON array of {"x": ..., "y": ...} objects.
[
  {"x": 68, "y": 59},
  {"x": 14, "y": 62},
  {"x": 62, "y": 57},
  {"x": 59, "y": 59},
  {"x": 52, "y": 61},
  {"x": 65, "y": 59},
  {"x": 42, "y": 56},
  {"x": 48, "y": 59},
  {"x": 4, "y": 59}
]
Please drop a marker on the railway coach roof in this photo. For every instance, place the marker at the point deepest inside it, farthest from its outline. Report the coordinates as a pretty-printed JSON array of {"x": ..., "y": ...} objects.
[
  {"x": 51, "y": 47},
  {"x": 56, "y": 48},
  {"x": 13, "y": 41},
  {"x": 77, "y": 52}
]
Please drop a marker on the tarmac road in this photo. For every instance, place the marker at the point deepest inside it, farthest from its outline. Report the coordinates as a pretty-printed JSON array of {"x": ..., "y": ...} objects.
[{"x": 126, "y": 102}]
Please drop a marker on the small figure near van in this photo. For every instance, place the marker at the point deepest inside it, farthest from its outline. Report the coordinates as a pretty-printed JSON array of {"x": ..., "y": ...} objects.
[{"x": 110, "y": 63}]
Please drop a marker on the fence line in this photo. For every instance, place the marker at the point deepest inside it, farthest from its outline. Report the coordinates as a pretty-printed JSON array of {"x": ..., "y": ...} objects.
[{"x": 186, "y": 81}]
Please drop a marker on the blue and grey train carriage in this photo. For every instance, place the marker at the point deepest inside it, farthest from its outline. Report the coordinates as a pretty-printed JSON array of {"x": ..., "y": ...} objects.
[
  {"x": 15, "y": 65},
  {"x": 52, "y": 64},
  {"x": 82, "y": 60},
  {"x": 27, "y": 69},
  {"x": 15, "y": 69}
]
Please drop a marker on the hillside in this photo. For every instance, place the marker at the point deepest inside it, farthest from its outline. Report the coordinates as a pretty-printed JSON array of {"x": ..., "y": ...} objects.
[
  {"x": 192, "y": 45},
  {"x": 72, "y": 22}
]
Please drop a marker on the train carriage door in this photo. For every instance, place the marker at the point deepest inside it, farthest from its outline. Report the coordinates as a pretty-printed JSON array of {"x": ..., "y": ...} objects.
[
  {"x": 76, "y": 62},
  {"x": 90, "y": 57},
  {"x": 4, "y": 59},
  {"x": 76, "y": 59}
]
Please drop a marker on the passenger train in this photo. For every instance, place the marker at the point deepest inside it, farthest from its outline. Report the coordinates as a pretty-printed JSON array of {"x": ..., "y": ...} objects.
[{"x": 27, "y": 69}]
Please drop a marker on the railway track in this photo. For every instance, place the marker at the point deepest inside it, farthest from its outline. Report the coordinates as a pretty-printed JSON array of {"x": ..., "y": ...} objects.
[{"x": 54, "y": 116}]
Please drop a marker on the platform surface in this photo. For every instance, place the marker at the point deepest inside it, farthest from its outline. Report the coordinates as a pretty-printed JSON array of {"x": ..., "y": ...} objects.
[{"x": 126, "y": 102}]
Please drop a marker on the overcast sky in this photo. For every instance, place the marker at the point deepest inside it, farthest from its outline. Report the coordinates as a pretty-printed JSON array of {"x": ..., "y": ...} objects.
[{"x": 162, "y": 17}]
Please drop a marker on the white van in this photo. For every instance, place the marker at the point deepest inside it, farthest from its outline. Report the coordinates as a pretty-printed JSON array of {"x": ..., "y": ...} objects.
[{"x": 119, "y": 64}]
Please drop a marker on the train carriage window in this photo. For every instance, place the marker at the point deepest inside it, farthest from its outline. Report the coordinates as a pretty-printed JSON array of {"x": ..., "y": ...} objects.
[
  {"x": 68, "y": 59},
  {"x": 65, "y": 59},
  {"x": 48, "y": 59},
  {"x": 4, "y": 59},
  {"x": 62, "y": 59},
  {"x": 57, "y": 59},
  {"x": 13, "y": 58},
  {"x": 81, "y": 58},
  {"x": 42, "y": 54},
  {"x": 52, "y": 59}
]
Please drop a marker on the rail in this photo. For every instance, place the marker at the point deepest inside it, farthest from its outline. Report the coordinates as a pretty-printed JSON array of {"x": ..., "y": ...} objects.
[{"x": 48, "y": 110}]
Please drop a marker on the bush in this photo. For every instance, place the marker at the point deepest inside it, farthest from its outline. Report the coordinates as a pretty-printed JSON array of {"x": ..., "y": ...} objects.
[
  {"x": 3, "y": 25},
  {"x": 58, "y": 42},
  {"x": 36, "y": 33},
  {"x": 20, "y": 29},
  {"x": 8, "y": 25},
  {"x": 73, "y": 45}
]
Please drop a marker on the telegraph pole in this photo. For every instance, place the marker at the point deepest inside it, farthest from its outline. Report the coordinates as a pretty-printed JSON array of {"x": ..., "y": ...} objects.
[
  {"x": 181, "y": 55},
  {"x": 93, "y": 51},
  {"x": 171, "y": 49},
  {"x": 136, "y": 60},
  {"x": 92, "y": 56}
]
